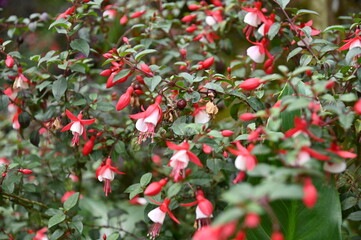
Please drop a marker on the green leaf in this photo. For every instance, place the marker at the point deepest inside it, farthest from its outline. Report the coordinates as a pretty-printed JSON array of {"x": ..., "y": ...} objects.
[
  {"x": 334, "y": 27},
  {"x": 145, "y": 179},
  {"x": 349, "y": 203},
  {"x": 71, "y": 201},
  {"x": 141, "y": 54},
  {"x": 355, "y": 216},
  {"x": 306, "y": 11},
  {"x": 214, "y": 86},
  {"x": 56, "y": 219},
  {"x": 4, "y": 101},
  {"x": 174, "y": 190},
  {"x": 283, "y": 3},
  {"x": 298, "y": 222},
  {"x": 351, "y": 54},
  {"x": 121, "y": 74},
  {"x": 114, "y": 236},
  {"x": 214, "y": 164},
  {"x": 152, "y": 82},
  {"x": 24, "y": 119},
  {"x": 59, "y": 87},
  {"x": 80, "y": 45},
  {"x": 57, "y": 234},
  {"x": 293, "y": 53},
  {"x": 189, "y": 78},
  {"x": 229, "y": 215},
  {"x": 274, "y": 30},
  {"x": 346, "y": 119}
]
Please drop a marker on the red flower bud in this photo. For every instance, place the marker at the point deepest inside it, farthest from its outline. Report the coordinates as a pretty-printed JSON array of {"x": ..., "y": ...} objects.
[
  {"x": 137, "y": 14},
  {"x": 194, "y": 7},
  {"x": 25, "y": 171},
  {"x": 207, "y": 63},
  {"x": 277, "y": 236},
  {"x": 225, "y": 154},
  {"x": 227, "y": 133},
  {"x": 188, "y": 18},
  {"x": 250, "y": 84},
  {"x": 247, "y": 116},
  {"x": 309, "y": 73},
  {"x": 330, "y": 84},
  {"x": 252, "y": 220},
  {"x": 183, "y": 52},
  {"x": 124, "y": 100},
  {"x": 207, "y": 149},
  {"x": 88, "y": 147},
  {"x": 9, "y": 62},
  {"x": 310, "y": 193},
  {"x": 191, "y": 29},
  {"x": 155, "y": 187},
  {"x": 357, "y": 107},
  {"x": 106, "y": 72},
  {"x": 123, "y": 20},
  {"x": 3, "y": 174},
  {"x": 145, "y": 68},
  {"x": 104, "y": 237}
]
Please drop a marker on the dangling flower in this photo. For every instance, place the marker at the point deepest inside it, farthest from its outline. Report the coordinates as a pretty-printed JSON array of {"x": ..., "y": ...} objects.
[
  {"x": 200, "y": 115},
  {"x": 255, "y": 16},
  {"x": 259, "y": 51},
  {"x": 252, "y": 220},
  {"x": 245, "y": 161},
  {"x": 148, "y": 120},
  {"x": 353, "y": 42},
  {"x": 77, "y": 127},
  {"x": 179, "y": 160},
  {"x": 70, "y": 11},
  {"x": 220, "y": 232},
  {"x": 265, "y": 27},
  {"x": 157, "y": 216},
  {"x": 204, "y": 209},
  {"x": 40, "y": 234},
  {"x": 301, "y": 126},
  {"x": 335, "y": 167},
  {"x": 20, "y": 80},
  {"x": 106, "y": 172},
  {"x": 109, "y": 12},
  {"x": 306, "y": 39}
]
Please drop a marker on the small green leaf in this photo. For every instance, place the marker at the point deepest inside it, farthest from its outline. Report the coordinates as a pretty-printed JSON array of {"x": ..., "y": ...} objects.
[
  {"x": 274, "y": 30},
  {"x": 293, "y": 53},
  {"x": 71, "y": 201},
  {"x": 174, "y": 190},
  {"x": 352, "y": 53},
  {"x": 57, "y": 234},
  {"x": 355, "y": 216},
  {"x": 80, "y": 45},
  {"x": 145, "y": 179},
  {"x": 56, "y": 219},
  {"x": 121, "y": 74},
  {"x": 283, "y": 3},
  {"x": 214, "y": 164},
  {"x": 189, "y": 78},
  {"x": 4, "y": 101},
  {"x": 59, "y": 88},
  {"x": 306, "y": 11},
  {"x": 141, "y": 54},
  {"x": 215, "y": 87},
  {"x": 152, "y": 82},
  {"x": 114, "y": 236}
]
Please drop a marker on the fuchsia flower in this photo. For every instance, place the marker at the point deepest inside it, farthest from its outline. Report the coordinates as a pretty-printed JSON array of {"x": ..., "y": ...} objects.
[
  {"x": 180, "y": 159},
  {"x": 206, "y": 63},
  {"x": 40, "y": 234},
  {"x": 265, "y": 27},
  {"x": 70, "y": 11},
  {"x": 106, "y": 172},
  {"x": 301, "y": 126},
  {"x": 20, "y": 80},
  {"x": 148, "y": 120},
  {"x": 306, "y": 39},
  {"x": 245, "y": 161},
  {"x": 204, "y": 209},
  {"x": 353, "y": 42},
  {"x": 88, "y": 146},
  {"x": 252, "y": 220},
  {"x": 254, "y": 16},
  {"x": 157, "y": 216},
  {"x": 138, "y": 14},
  {"x": 259, "y": 51},
  {"x": 342, "y": 153},
  {"x": 77, "y": 127},
  {"x": 310, "y": 193},
  {"x": 109, "y": 12},
  {"x": 200, "y": 115}
]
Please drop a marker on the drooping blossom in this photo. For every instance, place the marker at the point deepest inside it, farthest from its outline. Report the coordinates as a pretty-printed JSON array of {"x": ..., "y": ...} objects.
[
  {"x": 259, "y": 51},
  {"x": 109, "y": 12},
  {"x": 335, "y": 167},
  {"x": 352, "y": 42},
  {"x": 155, "y": 187},
  {"x": 148, "y": 120},
  {"x": 265, "y": 27},
  {"x": 40, "y": 234},
  {"x": 334, "y": 148},
  {"x": 200, "y": 115},
  {"x": 254, "y": 16},
  {"x": 70, "y": 11},
  {"x": 306, "y": 39},
  {"x": 313, "y": 153},
  {"x": 77, "y": 126},
  {"x": 204, "y": 209},
  {"x": 20, "y": 81},
  {"x": 138, "y": 200},
  {"x": 157, "y": 216},
  {"x": 105, "y": 172},
  {"x": 301, "y": 127},
  {"x": 245, "y": 161},
  {"x": 310, "y": 193},
  {"x": 180, "y": 159}
]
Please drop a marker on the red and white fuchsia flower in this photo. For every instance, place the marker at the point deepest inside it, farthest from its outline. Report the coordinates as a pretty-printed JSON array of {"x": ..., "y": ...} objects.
[
  {"x": 105, "y": 172},
  {"x": 148, "y": 120},
  {"x": 200, "y": 115},
  {"x": 77, "y": 126},
  {"x": 180, "y": 159},
  {"x": 157, "y": 216},
  {"x": 204, "y": 209},
  {"x": 352, "y": 42},
  {"x": 40, "y": 234},
  {"x": 254, "y": 16},
  {"x": 245, "y": 161}
]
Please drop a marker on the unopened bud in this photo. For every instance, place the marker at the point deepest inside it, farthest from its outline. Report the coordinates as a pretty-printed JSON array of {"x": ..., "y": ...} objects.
[{"x": 25, "y": 171}]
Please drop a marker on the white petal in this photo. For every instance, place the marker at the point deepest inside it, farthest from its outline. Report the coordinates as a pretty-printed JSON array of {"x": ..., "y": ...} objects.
[
  {"x": 77, "y": 127},
  {"x": 302, "y": 158},
  {"x": 252, "y": 19},
  {"x": 141, "y": 201},
  {"x": 140, "y": 125},
  {"x": 261, "y": 29},
  {"x": 240, "y": 163},
  {"x": 254, "y": 53},
  {"x": 335, "y": 167},
  {"x": 200, "y": 214},
  {"x": 210, "y": 20},
  {"x": 180, "y": 156},
  {"x": 157, "y": 215},
  {"x": 152, "y": 118},
  {"x": 107, "y": 174},
  {"x": 354, "y": 44},
  {"x": 201, "y": 117},
  {"x": 19, "y": 83}
]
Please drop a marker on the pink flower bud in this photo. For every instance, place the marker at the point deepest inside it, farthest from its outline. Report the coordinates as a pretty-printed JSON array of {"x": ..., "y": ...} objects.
[
  {"x": 227, "y": 133},
  {"x": 9, "y": 62},
  {"x": 124, "y": 100},
  {"x": 126, "y": 40},
  {"x": 247, "y": 116},
  {"x": 191, "y": 29},
  {"x": 145, "y": 68},
  {"x": 104, "y": 237},
  {"x": 188, "y": 18},
  {"x": 183, "y": 52},
  {"x": 137, "y": 14},
  {"x": 194, "y": 7},
  {"x": 207, "y": 149},
  {"x": 123, "y": 20},
  {"x": 88, "y": 147},
  {"x": 251, "y": 84},
  {"x": 277, "y": 236},
  {"x": 252, "y": 220},
  {"x": 207, "y": 63},
  {"x": 25, "y": 171},
  {"x": 225, "y": 154},
  {"x": 106, "y": 72},
  {"x": 310, "y": 193},
  {"x": 155, "y": 187},
  {"x": 3, "y": 174},
  {"x": 330, "y": 84}
]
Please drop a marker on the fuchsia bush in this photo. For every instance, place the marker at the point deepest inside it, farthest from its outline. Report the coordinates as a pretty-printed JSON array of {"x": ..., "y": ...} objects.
[{"x": 180, "y": 120}]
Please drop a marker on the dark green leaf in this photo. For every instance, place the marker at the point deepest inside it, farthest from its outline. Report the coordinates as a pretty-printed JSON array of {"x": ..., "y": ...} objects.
[
  {"x": 293, "y": 53},
  {"x": 214, "y": 86},
  {"x": 141, "y": 54},
  {"x": 283, "y": 3},
  {"x": 274, "y": 30},
  {"x": 145, "y": 179},
  {"x": 59, "y": 88},
  {"x": 152, "y": 82},
  {"x": 351, "y": 54},
  {"x": 56, "y": 219},
  {"x": 57, "y": 234},
  {"x": 355, "y": 216},
  {"x": 174, "y": 190},
  {"x": 24, "y": 119},
  {"x": 71, "y": 201},
  {"x": 80, "y": 45},
  {"x": 35, "y": 138}
]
